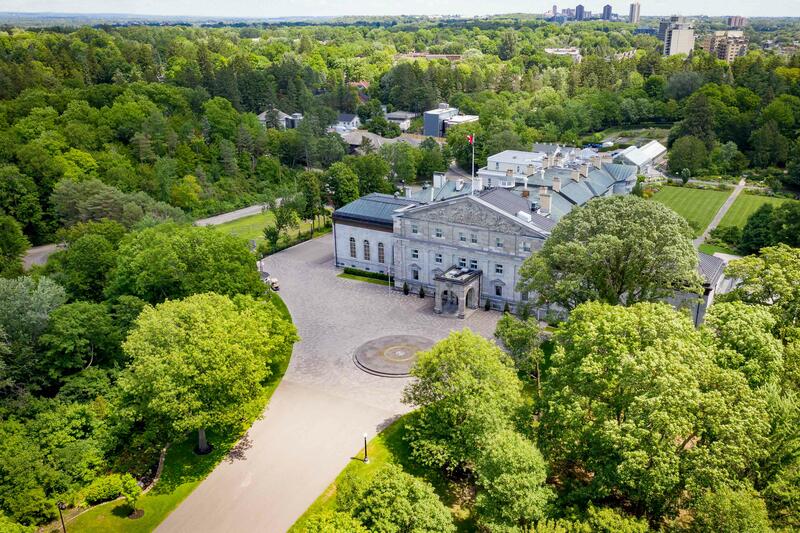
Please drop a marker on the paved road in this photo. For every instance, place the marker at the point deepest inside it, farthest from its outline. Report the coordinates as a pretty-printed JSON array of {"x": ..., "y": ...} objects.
[
  {"x": 313, "y": 425},
  {"x": 721, "y": 213},
  {"x": 233, "y": 215},
  {"x": 38, "y": 255}
]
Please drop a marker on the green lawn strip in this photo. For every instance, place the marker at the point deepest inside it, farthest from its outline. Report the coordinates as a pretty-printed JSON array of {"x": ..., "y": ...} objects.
[
  {"x": 388, "y": 447},
  {"x": 747, "y": 204},
  {"x": 252, "y": 227},
  {"x": 698, "y": 206},
  {"x": 711, "y": 249},
  {"x": 183, "y": 470},
  {"x": 345, "y": 275}
]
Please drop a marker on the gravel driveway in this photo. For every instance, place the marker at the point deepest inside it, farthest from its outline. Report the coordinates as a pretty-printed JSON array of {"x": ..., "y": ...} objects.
[{"x": 315, "y": 421}]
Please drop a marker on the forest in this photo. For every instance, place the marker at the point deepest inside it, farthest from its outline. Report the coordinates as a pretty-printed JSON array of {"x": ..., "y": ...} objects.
[{"x": 112, "y": 139}]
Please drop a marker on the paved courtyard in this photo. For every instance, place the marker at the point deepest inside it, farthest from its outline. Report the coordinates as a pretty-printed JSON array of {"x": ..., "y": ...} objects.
[{"x": 315, "y": 421}]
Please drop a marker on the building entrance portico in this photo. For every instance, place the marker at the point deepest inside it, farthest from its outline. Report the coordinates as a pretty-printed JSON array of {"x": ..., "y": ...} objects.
[{"x": 457, "y": 290}]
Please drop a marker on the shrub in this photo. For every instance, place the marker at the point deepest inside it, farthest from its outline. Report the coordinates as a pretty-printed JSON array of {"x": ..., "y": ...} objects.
[
  {"x": 131, "y": 490},
  {"x": 366, "y": 274},
  {"x": 406, "y": 290},
  {"x": 506, "y": 308},
  {"x": 421, "y": 292},
  {"x": 103, "y": 489},
  {"x": 487, "y": 305}
]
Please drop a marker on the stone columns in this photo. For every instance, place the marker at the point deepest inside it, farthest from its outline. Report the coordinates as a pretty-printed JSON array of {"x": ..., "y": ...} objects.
[
  {"x": 437, "y": 300},
  {"x": 461, "y": 305}
]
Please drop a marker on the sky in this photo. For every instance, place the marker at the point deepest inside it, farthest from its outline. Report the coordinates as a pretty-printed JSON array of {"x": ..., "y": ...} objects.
[{"x": 284, "y": 8}]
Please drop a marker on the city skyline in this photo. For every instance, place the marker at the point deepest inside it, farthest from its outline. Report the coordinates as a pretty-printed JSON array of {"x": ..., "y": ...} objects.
[{"x": 300, "y": 8}]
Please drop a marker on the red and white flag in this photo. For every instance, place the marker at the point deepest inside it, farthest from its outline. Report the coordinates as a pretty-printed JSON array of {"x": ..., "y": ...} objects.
[{"x": 471, "y": 139}]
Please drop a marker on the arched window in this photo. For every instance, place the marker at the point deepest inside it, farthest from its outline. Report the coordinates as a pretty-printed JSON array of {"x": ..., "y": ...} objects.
[
  {"x": 352, "y": 246},
  {"x": 381, "y": 256},
  {"x": 366, "y": 250}
]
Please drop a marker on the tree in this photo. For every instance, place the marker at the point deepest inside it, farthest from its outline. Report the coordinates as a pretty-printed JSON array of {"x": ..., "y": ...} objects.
[
  {"x": 343, "y": 184},
  {"x": 757, "y": 232},
  {"x": 769, "y": 146},
  {"x": 131, "y": 491},
  {"x": 522, "y": 339},
  {"x": 619, "y": 250},
  {"x": 770, "y": 279},
  {"x": 466, "y": 387},
  {"x": 635, "y": 408},
  {"x": 171, "y": 261},
  {"x": 13, "y": 246},
  {"x": 743, "y": 333},
  {"x": 688, "y": 152},
  {"x": 730, "y": 511},
  {"x": 328, "y": 521},
  {"x": 311, "y": 192},
  {"x": 511, "y": 476},
  {"x": 396, "y": 502},
  {"x": 86, "y": 265},
  {"x": 201, "y": 362},
  {"x": 372, "y": 171}
]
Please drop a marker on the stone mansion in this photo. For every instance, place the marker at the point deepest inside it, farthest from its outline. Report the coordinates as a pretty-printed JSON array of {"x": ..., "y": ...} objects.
[{"x": 463, "y": 243}]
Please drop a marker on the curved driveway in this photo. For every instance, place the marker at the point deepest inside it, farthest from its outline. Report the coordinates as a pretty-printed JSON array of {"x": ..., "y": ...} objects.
[{"x": 316, "y": 418}]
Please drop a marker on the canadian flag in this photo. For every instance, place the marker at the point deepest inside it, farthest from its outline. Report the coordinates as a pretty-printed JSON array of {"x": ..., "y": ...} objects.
[{"x": 471, "y": 139}]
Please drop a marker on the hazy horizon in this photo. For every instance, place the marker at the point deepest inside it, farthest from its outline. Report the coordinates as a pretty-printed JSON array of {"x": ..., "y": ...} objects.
[{"x": 332, "y": 8}]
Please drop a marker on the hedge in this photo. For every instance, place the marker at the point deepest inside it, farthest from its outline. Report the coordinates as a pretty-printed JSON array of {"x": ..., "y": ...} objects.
[{"x": 365, "y": 274}]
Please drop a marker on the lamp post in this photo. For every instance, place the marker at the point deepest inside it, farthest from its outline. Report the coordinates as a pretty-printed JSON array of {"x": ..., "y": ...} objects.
[
  {"x": 61, "y": 506},
  {"x": 366, "y": 458}
]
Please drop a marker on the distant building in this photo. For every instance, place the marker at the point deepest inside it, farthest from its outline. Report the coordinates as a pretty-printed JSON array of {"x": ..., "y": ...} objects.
[
  {"x": 579, "y": 12},
  {"x": 678, "y": 36},
  {"x": 401, "y": 118},
  {"x": 277, "y": 118},
  {"x": 737, "y": 22},
  {"x": 607, "y": 12},
  {"x": 437, "y": 121},
  {"x": 642, "y": 157},
  {"x": 347, "y": 122},
  {"x": 574, "y": 53},
  {"x": 555, "y": 10},
  {"x": 726, "y": 45},
  {"x": 635, "y": 13}
]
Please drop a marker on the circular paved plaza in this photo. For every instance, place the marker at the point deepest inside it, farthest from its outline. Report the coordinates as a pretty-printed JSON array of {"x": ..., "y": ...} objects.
[{"x": 392, "y": 356}]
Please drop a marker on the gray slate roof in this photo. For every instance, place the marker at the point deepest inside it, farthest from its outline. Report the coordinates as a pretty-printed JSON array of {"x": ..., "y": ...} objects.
[
  {"x": 710, "y": 268},
  {"x": 512, "y": 204},
  {"x": 374, "y": 208},
  {"x": 346, "y": 117}
]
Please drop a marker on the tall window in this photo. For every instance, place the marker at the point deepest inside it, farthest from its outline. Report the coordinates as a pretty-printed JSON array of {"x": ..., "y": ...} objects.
[
  {"x": 498, "y": 290},
  {"x": 473, "y": 264},
  {"x": 381, "y": 256},
  {"x": 415, "y": 274},
  {"x": 366, "y": 250},
  {"x": 526, "y": 246},
  {"x": 474, "y": 238},
  {"x": 498, "y": 242},
  {"x": 462, "y": 237},
  {"x": 415, "y": 254},
  {"x": 462, "y": 262},
  {"x": 438, "y": 258},
  {"x": 414, "y": 229},
  {"x": 439, "y": 233},
  {"x": 352, "y": 246},
  {"x": 498, "y": 268}
]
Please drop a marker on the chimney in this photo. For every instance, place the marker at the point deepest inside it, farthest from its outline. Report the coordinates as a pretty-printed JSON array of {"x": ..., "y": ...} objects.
[
  {"x": 585, "y": 168},
  {"x": 529, "y": 170},
  {"x": 438, "y": 179},
  {"x": 526, "y": 193},
  {"x": 557, "y": 184},
  {"x": 597, "y": 161},
  {"x": 477, "y": 184},
  {"x": 525, "y": 181},
  {"x": 576, "y": 175},
  {"x": 509, "y": 173},
  {"x": 544, "y": 200},
  {"x": 407, "y": 191},
  {"x": 551, "y": 159},
  {"x": 459, "y": 184}
]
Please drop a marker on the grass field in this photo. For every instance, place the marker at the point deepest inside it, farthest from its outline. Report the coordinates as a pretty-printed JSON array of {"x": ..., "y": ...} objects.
[
  {"x": 183, "y": 472},
  {"x": 745, "y": 205},
  {"x": 252, "y": 227},
  {"x": 355, "y": 277},
  {"x": 698, "y": 206}
]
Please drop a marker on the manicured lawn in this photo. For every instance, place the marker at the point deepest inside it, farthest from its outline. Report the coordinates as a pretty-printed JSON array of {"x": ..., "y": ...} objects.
[
  {"x": 252, "y": 227},
  {"x": 389, "y": 446},
  {"x": 345, "y": 275},
  {"x": 711, "y": 249},
  {"x": 698, "y": 206},
  {"x": 747, "y": 204},
  {"x": 183, "y": 471}
]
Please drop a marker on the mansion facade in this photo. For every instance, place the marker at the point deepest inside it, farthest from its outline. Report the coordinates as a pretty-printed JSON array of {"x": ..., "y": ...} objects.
[{"x": 464, "y": 250}]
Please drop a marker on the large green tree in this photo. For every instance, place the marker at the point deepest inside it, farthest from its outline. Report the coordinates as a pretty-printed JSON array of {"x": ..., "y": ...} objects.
[
  {"x": 201, "y": 362},
  {"x": 466, "y": 386},
  {"x": 13, "y": 246},
  {"x": 342, "y": 184},
  {"x": 619, "y": 250},
  {"x": 635, "y": 408},
  {"x": 171, "y": 261}
]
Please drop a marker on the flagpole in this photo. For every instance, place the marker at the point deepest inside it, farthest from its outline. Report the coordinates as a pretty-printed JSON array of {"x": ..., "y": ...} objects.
[{"x": 472, "y": 168}]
